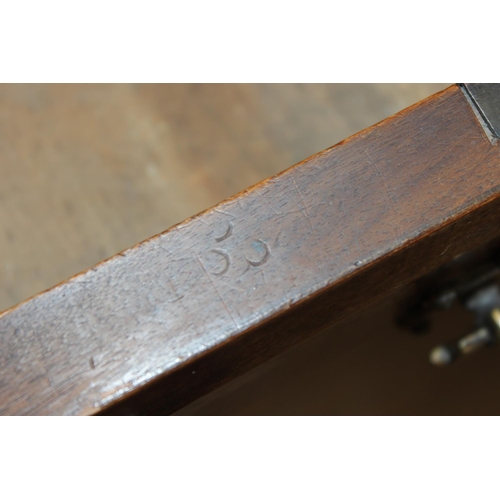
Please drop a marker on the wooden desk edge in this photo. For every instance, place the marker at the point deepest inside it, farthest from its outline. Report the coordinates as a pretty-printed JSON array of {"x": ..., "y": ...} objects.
[{"x": 414, "y": 247}]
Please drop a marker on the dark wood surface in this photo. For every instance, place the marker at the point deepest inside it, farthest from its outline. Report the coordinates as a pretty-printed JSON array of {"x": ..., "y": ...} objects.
[{"x": 178, "y": 315}]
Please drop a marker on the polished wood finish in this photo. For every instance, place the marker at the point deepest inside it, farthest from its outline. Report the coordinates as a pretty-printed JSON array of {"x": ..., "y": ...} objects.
[{"x": 178, "y": 315}]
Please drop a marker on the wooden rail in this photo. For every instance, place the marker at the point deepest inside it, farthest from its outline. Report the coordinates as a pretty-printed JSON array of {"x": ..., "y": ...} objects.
[{"x": 174, "y": 317}]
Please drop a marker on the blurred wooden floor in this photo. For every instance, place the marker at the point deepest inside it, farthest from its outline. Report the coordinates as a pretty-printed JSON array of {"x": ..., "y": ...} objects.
[{"x": 89, "y": 170}]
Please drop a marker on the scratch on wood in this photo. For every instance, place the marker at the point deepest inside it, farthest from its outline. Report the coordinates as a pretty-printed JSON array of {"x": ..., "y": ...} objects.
[
  {"x": 445, "y": 250},
  {"x": 200, "y": 219},
  {"x": 216, "y": 291},
  {"x": 386, "y": 188},
  {"x": 54, "y": 394},
  {"x": 268, "y": 202},
  {"x": 234, "y": 287},
  {"x": 264, "y": 276},
  {"x": 306, "y": 214},
  {"x": 301, "y": 197},
  {"x": 172, "y": 258},
  {"x": 176, "y": 293},
  {"x": 219, "y": 211}
]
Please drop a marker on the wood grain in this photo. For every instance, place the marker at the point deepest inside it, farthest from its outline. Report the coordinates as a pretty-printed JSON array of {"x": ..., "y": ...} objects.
[{"x": 181, "y": 313}]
